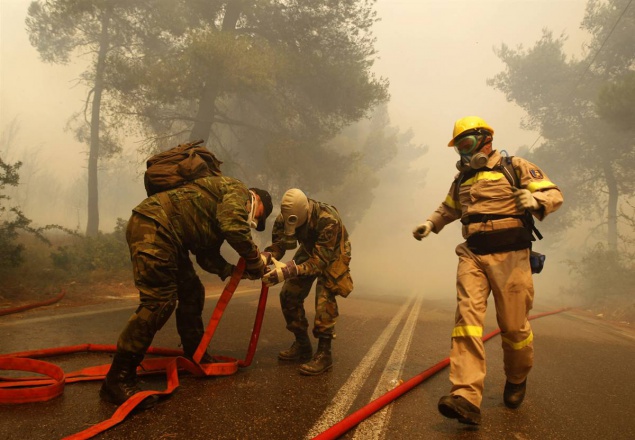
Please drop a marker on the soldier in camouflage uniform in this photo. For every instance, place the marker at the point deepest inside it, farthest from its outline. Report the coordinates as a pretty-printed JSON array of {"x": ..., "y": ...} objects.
[
  {"x": 324, "y": 254},
  {"x": 163, "y": 229}
]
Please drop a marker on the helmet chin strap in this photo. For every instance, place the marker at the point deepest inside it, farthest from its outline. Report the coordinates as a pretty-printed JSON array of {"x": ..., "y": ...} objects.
[{"x": 251, "y": 220}]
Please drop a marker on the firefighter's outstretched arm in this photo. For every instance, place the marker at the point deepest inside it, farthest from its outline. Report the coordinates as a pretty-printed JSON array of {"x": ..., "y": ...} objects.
[{"x": 423, "y": 230}]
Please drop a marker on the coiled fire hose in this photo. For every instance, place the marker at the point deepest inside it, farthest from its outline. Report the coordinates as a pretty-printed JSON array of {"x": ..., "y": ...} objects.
[
  {"x": 363, "y": 413},
  {"x": 43, "y": 389},
  {"x": 38, "y": 389}
]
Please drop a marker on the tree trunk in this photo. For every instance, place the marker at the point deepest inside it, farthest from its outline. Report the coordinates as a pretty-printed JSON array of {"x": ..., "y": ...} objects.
[
  {"x": 206, "y": 106},
  {"x": 611, "y": 183},
  {"x": 92, "y": 223}
]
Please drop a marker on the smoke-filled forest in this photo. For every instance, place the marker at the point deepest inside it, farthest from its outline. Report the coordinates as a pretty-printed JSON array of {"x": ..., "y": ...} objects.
[{"x": 353, "y": 101}]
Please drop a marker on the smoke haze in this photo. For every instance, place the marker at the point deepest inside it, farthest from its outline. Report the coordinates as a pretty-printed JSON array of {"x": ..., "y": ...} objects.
[{"x": 437, "y": 56}]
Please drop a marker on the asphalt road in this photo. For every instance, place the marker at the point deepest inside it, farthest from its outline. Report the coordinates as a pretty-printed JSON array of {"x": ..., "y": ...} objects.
[{"x": 582, "y": 385}]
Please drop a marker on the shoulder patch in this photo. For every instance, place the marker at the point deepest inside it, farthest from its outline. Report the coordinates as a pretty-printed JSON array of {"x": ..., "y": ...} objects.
[
  {"x": 329, "y": 234},
  {"x": 536, "y": 174}
]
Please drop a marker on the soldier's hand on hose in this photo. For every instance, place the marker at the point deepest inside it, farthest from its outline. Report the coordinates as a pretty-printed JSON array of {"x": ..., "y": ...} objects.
[
  {"x": 423, "y": 230},
  {"x": 280, "y": 273},
  {"x": 524, "y": 200},
  {"x": 266, "y": 258},
  {"x": 254, "y": 268},
  {"x": 227, "y": 270}
]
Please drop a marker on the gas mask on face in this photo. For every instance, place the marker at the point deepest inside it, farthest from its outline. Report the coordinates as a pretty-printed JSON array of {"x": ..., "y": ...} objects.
[
  {"x": 295, "y": 211},
  {"x": 475, "y": 162},
  {"x": 469, "y": 148},
  {"x": 289, "y": 240}
]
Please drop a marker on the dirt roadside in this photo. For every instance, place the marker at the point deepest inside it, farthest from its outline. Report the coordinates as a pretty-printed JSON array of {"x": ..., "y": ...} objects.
[
  {"x": 619, "y": 312},
  {"x": 78, "y": 293}
]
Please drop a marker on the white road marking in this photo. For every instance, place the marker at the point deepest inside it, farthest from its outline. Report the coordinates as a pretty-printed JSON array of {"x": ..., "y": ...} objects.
[
  {"x": 345, "y": 396},
  {"x": 130, "y": 306},
  {"x": 375, "y": 427}
]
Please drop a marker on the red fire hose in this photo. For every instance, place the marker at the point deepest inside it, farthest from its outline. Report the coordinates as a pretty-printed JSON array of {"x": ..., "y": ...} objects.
[
  {"x": 360, "y": 415},
  {"x": 33, "y": 305},
  {"x": 37, "y": 389}
]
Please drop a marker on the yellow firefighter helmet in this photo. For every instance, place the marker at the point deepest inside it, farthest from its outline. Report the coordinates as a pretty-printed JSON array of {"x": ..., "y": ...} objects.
[{"x": 468, "y": 123}]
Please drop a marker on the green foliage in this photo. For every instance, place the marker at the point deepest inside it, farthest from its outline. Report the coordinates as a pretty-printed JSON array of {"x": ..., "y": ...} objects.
[
  {"x": 616, "y": 103},
  {"x": 375, "y": 150},
  {"x": 602, "y": 273},
  {"x": 103, "y": 252},
  {"x": 268, "y": 85},
  {"x": 61, "y": 28},
  {"x": 578, "y": 108},
  {"x": 13, "y": 222}
]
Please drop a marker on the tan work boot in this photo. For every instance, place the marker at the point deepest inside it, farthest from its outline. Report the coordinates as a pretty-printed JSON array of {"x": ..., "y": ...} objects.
[
  {"x": 514, "y": 394},
  {"x": 458, "y": 407}
]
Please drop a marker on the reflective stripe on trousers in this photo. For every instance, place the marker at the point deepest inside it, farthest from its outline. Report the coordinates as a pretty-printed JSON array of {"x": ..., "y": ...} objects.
[{"x": 508, "y": 276}]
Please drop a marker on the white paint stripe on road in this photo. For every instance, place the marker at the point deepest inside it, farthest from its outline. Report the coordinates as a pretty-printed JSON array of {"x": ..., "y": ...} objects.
[
  {"x": 101, "y": 310},
  {"x": 375, "y": 427},
  {"x": 345, "y": 396}
]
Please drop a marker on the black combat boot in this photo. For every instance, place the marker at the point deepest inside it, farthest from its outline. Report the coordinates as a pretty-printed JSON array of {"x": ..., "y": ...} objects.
[
  {"x": 514, "y": 394},
  {"x": 189, "y": 348},
  {"x": 457, "y": 407},
  {"x": 321, "y": 362},
  {"x": 205, "y": 359},
  {"x": 300, "y": 350},
  {"x": 121, "y": 381}
]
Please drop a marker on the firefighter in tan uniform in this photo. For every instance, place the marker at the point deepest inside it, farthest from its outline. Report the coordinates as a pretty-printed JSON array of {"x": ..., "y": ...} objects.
[{"x": 494, "y": 258}]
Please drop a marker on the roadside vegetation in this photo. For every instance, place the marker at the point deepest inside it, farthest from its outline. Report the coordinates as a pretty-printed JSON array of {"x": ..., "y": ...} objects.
[{"x": 285, "y": 95}]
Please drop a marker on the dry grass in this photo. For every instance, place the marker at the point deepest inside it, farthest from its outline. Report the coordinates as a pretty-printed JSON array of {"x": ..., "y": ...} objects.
[{"x": 37, "y": 279}]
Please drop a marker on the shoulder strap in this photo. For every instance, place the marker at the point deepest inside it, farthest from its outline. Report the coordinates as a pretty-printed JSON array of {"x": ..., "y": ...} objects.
[
  {"x": 508, "y": 170},
  {"x": 463, "y": 175}
]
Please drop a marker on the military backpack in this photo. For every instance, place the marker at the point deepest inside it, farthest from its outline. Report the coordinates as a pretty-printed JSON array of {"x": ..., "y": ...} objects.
[{"x": 178, "y": 166}]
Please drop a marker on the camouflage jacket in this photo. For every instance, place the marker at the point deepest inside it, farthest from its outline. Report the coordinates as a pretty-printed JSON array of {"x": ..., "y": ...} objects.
[
  {"x": 324, "y": 245},
  {"x": 201, "y": 215}
]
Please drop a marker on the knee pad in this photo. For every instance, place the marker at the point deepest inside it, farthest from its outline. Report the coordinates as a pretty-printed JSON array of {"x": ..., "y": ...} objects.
[{"x": 156, "y": 314}]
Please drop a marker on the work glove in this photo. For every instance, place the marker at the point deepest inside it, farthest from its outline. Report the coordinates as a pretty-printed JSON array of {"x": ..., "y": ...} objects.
[
  {"x": 524, "y": 200},
  {"x": 423, "y": 230},
  {"x": 280, "y": 273},
  {"x": 254, "y": 268},
  {"x": 267, "y": 258}
]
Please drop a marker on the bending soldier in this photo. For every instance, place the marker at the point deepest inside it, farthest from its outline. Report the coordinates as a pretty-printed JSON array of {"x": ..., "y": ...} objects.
[
  {"x": 494, "y": 257},
  {"x": 324, "y": 254},
  {"x": 163, "y": 229}
]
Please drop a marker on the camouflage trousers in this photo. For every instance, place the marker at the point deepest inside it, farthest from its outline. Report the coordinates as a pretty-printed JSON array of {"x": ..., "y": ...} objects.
[
  {"x": 292, "y": 296},
  {"x": 164, "y": 276}
]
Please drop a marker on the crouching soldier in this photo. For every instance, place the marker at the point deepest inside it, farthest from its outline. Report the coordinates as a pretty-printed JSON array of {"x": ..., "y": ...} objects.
[
  {"x": 196, "y": 217},
  {"x": 324, "y": 254}
]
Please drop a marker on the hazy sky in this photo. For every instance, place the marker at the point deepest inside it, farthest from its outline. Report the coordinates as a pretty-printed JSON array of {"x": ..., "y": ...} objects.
[{"x": 436, "y": 54}]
